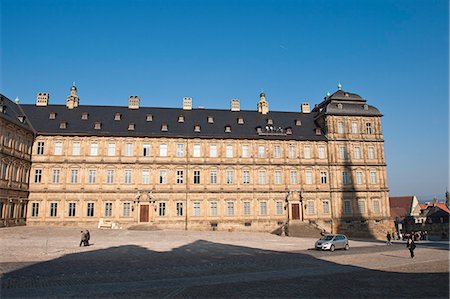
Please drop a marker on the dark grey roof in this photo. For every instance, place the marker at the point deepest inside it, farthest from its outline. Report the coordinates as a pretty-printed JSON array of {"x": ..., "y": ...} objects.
[
  {"x": 39, "y": 117},
  {"x": 12, "y": 112},
  {"x": 345, "y": 103}
]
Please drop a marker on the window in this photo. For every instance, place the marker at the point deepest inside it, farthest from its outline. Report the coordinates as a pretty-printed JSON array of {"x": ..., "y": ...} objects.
[
  {"x": 262, "y": 177},
  {"x": 38, "y": 176},
  {"x": 359, "y": 177},
  {"x": 369, "y": 129},
  {"x": 163, "y": 176},
  {"x": 145, "y": 178},
  {"x": 345, "y": 178},
  {"x": 309, "y": 177},
  {"x": 163, "y": 150},
  {"x": 322, "y": 154},
  {"x": 72, "y": 207},
  {"x": 146, "y": 150},
  {"x": 58, "y": 148},
  {"x": 108, "y": 209},
  {"x": 376, "y": 206},
  {"x": 347, "y": 207},
  {"x": 179, "y": 209},
  {"x": 213, "y": 177},
  {"x": 210, "y": 119},
  {"x": 94, "y": 149},
  {"x": 180, "y": 176},
  {"x": 323, "y": 177},
  {"x": 164, "y": 128},
  {"x": 213, "y": 151},
  {"x": 277, "y": 151},
  {"x": 245, "y": 151},
  {"x": 90, "y": 209},
  {"x": 227, "y": 129},
  {"x": 92, "y": 176},
  {"x": 371, "y": 153},
  {"x": 261, "y": 151},
  {"x": 181, "y": 119},
  {"x": 126, "y": 209},
  {"x": 34, "y": 210},
  {"x": 196, "y": 176},
  {"x": 117, "y": 116},
  {"x": 110, "y": 176},
  {"x": 278, "y": 178},
  {"x": 180, "y": 150},
  {"x": 197, "y": 128},
  {"x": 246, "y": 177},
  {"x": 40, "y": 148},
  {"x": 292, "y": 152},
  {"x": 357, "y": 152},
  {"x": 84, "y": 115},
  {"x": 52, "y": 115},
  {"x": 294, "y": 177},
  {"x": 354, "y": 127},
  {"x": 342, "y": 153},
  {"x": 213, "y": 208},
  {"x": 340, "y": 127},
  {"x": 279, "y": 208},
  {"x": 127, "y": 176},
  {"x": 53, "y": 209},
  {"x": 325, "y": 207},
  {"x": 11, "y": 211},
  {"x": 298, "y": 122},
  {"x": 63, "y": 125},
  {"x": 162, "y": 209},
  {"x": 373, "y": 176},
  {"x": 310, "y": 209},
  {"x": 263, "y": 208},
  {"x": 75, "y": 149},
  {"x": 362, "y": 206},
  {"x": 111, "y": 149},
  {"x": 307, "y": 152},
  {"x": 196, "y": 207},
  {"x": 129, "y": 149},
  {"x": 98, "y": 125},
  {"x": 247, "y": 208},
  {"x": 196, "y": 150},
  {"x": 230, "y": 176},
  {"x": 240, "y": 120},
  {"x": 229, "y": 151},
  {"x": 230, "y": 208},
  {"x": 149, "y": 117},
  {"x": 56, "y": 176}
]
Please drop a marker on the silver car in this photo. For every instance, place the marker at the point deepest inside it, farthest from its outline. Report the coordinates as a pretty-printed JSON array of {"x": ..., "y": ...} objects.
[{"x": 332, "y": 242}]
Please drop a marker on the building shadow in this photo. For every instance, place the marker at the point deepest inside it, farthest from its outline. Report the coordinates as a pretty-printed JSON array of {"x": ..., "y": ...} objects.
[{"x": 205, "y": 269}]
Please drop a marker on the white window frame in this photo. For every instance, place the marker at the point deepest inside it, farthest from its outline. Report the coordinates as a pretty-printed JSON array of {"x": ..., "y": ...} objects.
[
  {"x": 129, "y": 149},
  {"x": 213, "y": 151},
  {"x": 93, "y": 149},
  {"x": 76, "y": 148},
  {"x": 110, "y": 176},
  {"x": 111, "y": 149},
  {"x": 196, "y": 151},
  {"x": 307, "y": 152},
  {"x": 145, "y": 177},
  {"x": 127, "y": 176},
  {"x": 229, "y": 151},
  {"x": 58, "y": 148},
  {"x": 245, "y": 151},
  {"x": 180, "y": 150},
  {"x": 163, "y": 150}
]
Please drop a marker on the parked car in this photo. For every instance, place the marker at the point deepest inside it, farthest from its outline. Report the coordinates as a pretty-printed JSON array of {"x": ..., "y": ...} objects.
[{"x": 332, "y": 242}]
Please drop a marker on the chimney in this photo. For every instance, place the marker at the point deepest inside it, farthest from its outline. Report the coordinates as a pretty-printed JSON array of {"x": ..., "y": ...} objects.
[
  {"x": 133, "y": 102},
  {"x": 42, "y": 99},
  {"x": 305, "y": 108},
  {"x": 187, "y": 103},
  {"x": 235, "y": 105}
]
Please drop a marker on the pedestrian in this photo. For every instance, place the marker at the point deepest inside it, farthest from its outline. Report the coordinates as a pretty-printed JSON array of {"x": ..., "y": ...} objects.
[
  {"x": 411, "y": 246},
  {"x": 88, "y": 237},
  {"x": 83, "y": 238},
  {"x": 388, "y": 238}
]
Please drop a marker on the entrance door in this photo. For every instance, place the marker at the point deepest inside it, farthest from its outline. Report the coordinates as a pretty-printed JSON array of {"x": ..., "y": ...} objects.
[
  {"x": 143, "y": 216},
  {"x": 295, "y": 211}
]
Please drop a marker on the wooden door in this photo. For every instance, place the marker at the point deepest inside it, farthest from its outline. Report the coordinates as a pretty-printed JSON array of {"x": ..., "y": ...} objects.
[
  {"x": 143, "y": 215},
  {"x": 295, "y": 211}
]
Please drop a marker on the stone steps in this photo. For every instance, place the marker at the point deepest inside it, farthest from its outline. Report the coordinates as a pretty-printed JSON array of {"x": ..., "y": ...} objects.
[{"x": 303, "y": 230}]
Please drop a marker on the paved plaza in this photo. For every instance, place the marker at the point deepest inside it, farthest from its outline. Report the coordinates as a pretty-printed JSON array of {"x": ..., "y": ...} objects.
[{"x": 43, "y": 262}]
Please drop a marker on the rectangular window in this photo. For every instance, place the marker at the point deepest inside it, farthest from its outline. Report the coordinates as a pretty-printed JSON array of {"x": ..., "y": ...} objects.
[
  {"x": 262, "y": 177},
  {"x": 230, "y": 176},
  {"x": 325, "y": 207},
  {"x": 129, "y": 149},
  {"x": 34, "y": 209},
  {"x": 162, "y": 209},
  {"x": 90, "y": 209},
  {"x": 229, "y": 151},
  {"x": 376, "y": 206},
  {"x": 38, "y": 176},
  {"x": 110, "y": 176},
  {"x": 245, "y": 151},
  {"x": 196, "y": 208},
  {"x": 163, "y": 176},
  {"x": 76, "y": 149},
  {"x": 371, "y": 152},
  {"x": 213, "y": 206},
  {"x": 277, "y": 151},
  {"x": 310, "y": 209},
  {"x": 309, "y": 177},
  {"x": 196, "y": 176},
  {"x": 357, "y": 152},
  {"x": 279, "y": 207},
  {"x": 278, "y": 178},
  {"x": 126, "y": 209},
  {"x": 40, "y": 148},
  {"x": 292, "y": 152},
  {"x": 373, "y": 177},
  {"x": 111, "y": 149},
  {"x": 230, "y": 208},
  {"x": 72, "y": 209},
  {"x": 323, "y": 177},
  {"x": 247, "y": 208},
  {"x": 213, "y": 177},
  {"x": 341, "y": 127},
  {"x": 347, "y": 207},
  {"x": 53, "y": 209},
  {"x": 58, "y": 148},
  {"x": 145, "y": 176},
  {"x": 56, "y": 176},
  {"x": 263, "y": 208},
  {"x": 92, "y": 176},
  {"x": 294, "y": 177},
  {"x": 369, "y": 129},
  {"x": 362, "y": 206},
  {"x": 213, "y": 151},
  {"x": 127, "y": 176},
  {"x": 180, "y": 176},
  {"x": 307, "y": 152},
  {"x": 180, "y": 150},
  {"x": 179, "y": 209},
  {"x": 345, "y": 178},
  {"x": 261, "y": 151},
  {"x": 322, "y": 154},
  {"x": 246, "y": 177},
  {"x": 146, "y": 150},
  {"x": 359, "y": 177},
  {"x": 354, "y": 127},
  {"x": 342, "y": 153},
  {"x": 108, "y": 209},
  {"x": 94, "y": 149},
  {"x": 197, "y": 152}
]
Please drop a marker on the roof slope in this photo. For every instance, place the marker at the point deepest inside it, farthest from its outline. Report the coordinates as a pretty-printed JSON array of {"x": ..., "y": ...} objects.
[
  {"x": 400, "y": 206},
  {"x": 12, "y": 112}
]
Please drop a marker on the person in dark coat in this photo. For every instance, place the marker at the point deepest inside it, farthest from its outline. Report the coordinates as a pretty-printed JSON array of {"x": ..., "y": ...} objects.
[
  {"x": 88, "y": 237},
  {"x": 388, "y": 238},
  {"x": 83, "y": 238},
  {"x": 411, "y": 245}
]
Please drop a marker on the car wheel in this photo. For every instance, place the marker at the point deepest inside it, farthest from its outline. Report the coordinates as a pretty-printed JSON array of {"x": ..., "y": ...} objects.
[
  {"x": 346, "y": 247},
  {"x": 332, "y": 248}
]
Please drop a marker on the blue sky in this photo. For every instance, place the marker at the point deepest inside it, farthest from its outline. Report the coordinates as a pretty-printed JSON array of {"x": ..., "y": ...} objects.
[{"x": 392, "y": 53}]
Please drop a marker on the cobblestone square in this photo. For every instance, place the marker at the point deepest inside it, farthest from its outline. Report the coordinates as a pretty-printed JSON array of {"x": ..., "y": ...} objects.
[{"x": 44, "y": 262}]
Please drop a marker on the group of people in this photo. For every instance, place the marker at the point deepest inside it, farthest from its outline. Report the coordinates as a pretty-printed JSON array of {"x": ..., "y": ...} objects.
[{"x": 85, "y": 237}]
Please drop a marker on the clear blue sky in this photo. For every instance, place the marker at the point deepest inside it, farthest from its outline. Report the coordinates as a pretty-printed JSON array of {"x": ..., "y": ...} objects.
[{"x": 392, "y": 53}]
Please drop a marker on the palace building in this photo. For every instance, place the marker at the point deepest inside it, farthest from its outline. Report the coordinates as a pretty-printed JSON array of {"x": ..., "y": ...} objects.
[{"x": 197, "y": 168}]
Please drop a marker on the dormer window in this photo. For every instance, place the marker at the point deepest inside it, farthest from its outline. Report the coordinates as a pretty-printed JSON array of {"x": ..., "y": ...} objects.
[
  {"x": 339, "y": 106},
  {"x": 240, "y": 120},
  {"x": 197, "y": 128},
  {"x": 3, "y": 108},
  {"x": 258, "y": 130},
  {"x": 210, "y": 119},
  {"x": 84, "y": 116},
  {"x": 289, "y": 131},
  {"x": 181, "y": 119},
  {"x": 149, "y": 117},
  {"x": 227, "y": 129},
  {"x": 97, "y": 125},
  {"x": 269, "y": 121},
  {"x": 164, "y": 128},
  {"x": 21, "y": 118},
  {"x": 298, "y": 122},
  {"x": 63, "y": 125},
  {"x": 117, "y": 116},
  {"x": 52, "y": 115},
  {"x": 131, "y": 127},
  {"x": 318, "y": 131},
  {"x": 366, "y": 107}
]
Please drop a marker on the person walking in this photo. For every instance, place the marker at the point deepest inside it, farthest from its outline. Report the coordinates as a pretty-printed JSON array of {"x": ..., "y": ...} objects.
[
  {"x": 388, "y": 238},
  {"x": 411, "y": 245},
  {"x": 88, "y": 237},
  {"x": 83, "y": 238}
]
